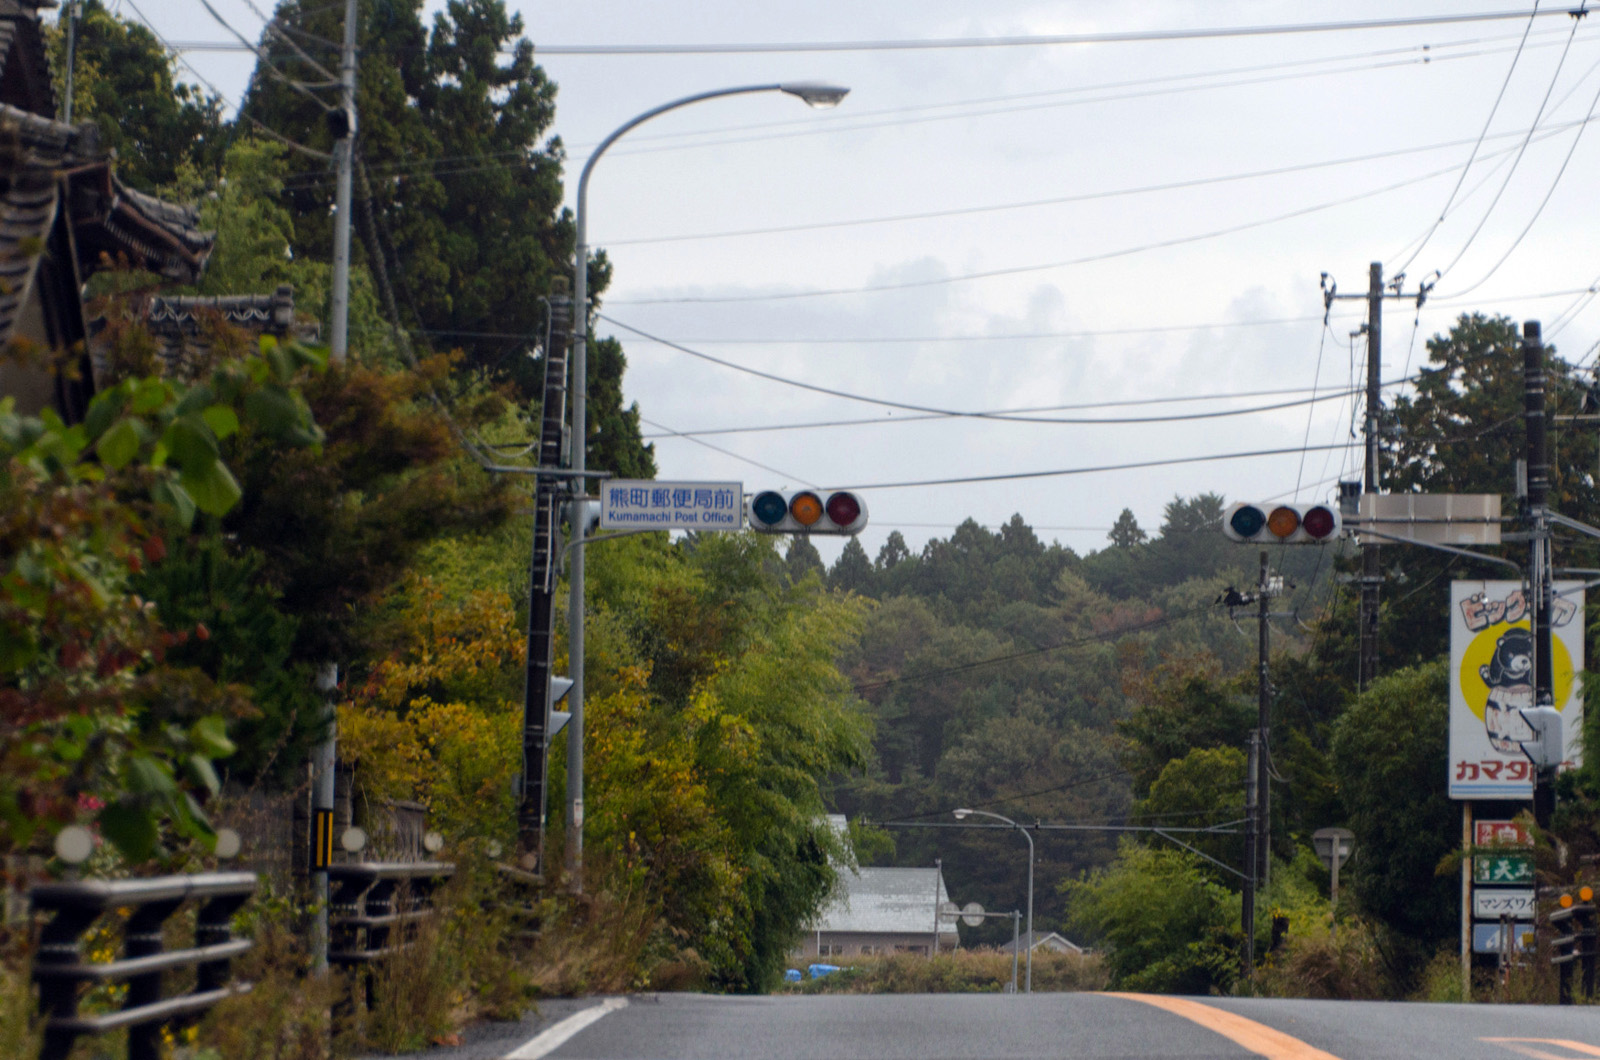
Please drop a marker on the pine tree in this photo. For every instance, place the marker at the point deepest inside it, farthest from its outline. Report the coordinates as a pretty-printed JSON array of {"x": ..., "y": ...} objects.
[{"x": 1126, "y": 533}]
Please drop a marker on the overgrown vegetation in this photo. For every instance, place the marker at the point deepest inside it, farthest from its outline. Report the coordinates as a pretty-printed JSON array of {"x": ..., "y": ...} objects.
[{"x": 960, "y": 972}]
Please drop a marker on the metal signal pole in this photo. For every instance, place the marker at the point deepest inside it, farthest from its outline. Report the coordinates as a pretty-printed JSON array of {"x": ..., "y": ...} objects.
[
  {"x": 1540, "y": 568},
  {"x": 1371, "y": 579}
]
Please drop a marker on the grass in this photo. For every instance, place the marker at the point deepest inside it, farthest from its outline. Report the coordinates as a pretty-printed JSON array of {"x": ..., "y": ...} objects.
[{"x": 960, "y": 972}]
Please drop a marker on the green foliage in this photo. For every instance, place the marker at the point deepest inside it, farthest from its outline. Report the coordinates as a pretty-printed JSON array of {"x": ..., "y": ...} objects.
[
  {"x": 1204, "y": 786},
  {"x": 1125, "y": 533},
  {"x": 1166, "y": 924},
  {"x": 961, "y": 972},
  {"x": 1390, "y": 750},
  {"x": 123, "y": 82},
  {"x": 1184, "y": 703},
  {"x": 96, "y": 718}
]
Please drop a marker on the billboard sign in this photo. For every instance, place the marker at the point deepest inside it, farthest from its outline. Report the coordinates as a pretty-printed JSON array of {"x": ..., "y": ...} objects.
[
  {"x": 641, "y": 504},
  {"x": 1501, "y": 834},
  {"x": 1491, "y": 683},
  {"x": 1486, "y": 938},
  {"x": 1502, "y": 868},
  {"x": 1495, "y": 902}
]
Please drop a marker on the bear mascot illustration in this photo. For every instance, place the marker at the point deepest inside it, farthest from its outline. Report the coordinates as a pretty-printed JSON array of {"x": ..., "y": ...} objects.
[{"x": 1509, "y": 676}]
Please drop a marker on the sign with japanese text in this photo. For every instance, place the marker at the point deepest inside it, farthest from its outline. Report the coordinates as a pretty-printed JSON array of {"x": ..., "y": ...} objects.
[
  {"x": 638, "y": 504},
  {"x": 1501, "y": 834},
  {"x": 1496, "y": 902},
  {"x": 1491, "y": 683},
  {"x": 1502, "y": 868}
]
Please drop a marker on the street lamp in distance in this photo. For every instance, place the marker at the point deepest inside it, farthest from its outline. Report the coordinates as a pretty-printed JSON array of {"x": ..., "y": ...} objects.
[{"x": 961, "y": 815}]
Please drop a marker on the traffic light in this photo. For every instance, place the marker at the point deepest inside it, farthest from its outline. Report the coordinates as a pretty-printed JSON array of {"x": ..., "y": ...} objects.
[
  {"x": 808, "y": 512},
  {"x": 1289, "y": 524}
]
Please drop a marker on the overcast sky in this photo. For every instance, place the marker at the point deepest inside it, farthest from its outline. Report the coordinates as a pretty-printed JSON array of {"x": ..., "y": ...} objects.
[{"x": 1106, "y": 292}]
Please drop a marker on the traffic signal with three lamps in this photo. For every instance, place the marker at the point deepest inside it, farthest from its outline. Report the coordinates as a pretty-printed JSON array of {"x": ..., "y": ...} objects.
[
  {"x": 808, "y": 512},
  {"x": 1288, "y": 524}
]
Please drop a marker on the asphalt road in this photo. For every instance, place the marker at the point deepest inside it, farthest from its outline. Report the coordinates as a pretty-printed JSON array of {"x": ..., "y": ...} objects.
[{"x": 1055, "y": 1026}]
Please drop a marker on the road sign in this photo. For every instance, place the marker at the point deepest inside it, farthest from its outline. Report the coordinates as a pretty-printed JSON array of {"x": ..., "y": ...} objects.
[
  {"x": 1502, "y": 868},
  {"x": 1501, "y": 834},
  {"x": 1491, "y": 903},
  {"x": 972, "y": 914},
  {"x": 1433, "y": 518},
  {"x": 640, "y": 504},
  {"x": 1486, "y": 937}
]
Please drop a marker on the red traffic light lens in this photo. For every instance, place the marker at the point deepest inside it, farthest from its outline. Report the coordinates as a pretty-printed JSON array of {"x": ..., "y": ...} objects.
[
  {"x": 1318, "y": 522},
  {"x": 843, "y": 509},
  {"x": 806, "y": 508},
  {"x": 1283, "y": 521}
]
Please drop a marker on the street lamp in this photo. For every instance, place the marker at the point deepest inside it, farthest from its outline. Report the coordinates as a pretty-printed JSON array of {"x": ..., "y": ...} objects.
[
  {"x": 815, "y": 94},
  {"x": 962, "y": 815}
]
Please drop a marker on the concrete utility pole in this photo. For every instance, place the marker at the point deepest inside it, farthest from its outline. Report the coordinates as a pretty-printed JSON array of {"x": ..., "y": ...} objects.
[
  {"x": 1540, "y": 568},
  {"x": 72, "y": 56},
  {"x": 1247, "y": 912},
  {"x": 344, "y": 149},
  {"x": 1262, "y": 870},
  {"x": 1371, "y": 579},
  {"x": 324, "y": 758}
]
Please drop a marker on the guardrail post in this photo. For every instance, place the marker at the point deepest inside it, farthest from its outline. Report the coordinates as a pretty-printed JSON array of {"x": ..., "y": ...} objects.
[
  {"x": 142, "y": 938},
  {"x": 61, "y": 942}
]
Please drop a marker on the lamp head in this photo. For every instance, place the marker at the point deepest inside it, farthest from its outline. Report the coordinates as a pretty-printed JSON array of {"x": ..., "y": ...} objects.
[
  {"x": 962, "y": 815},
  {"x": 817, "y": 94}
]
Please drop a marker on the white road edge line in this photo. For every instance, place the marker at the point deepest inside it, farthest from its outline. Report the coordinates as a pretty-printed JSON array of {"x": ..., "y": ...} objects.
[{"x": 553, "y": 1038}]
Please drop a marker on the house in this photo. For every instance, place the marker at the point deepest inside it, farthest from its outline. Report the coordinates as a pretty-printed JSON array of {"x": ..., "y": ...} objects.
[
  {"x": 1049, "y": 942},
  {"x": 881, "y": 911},
  {"x": 63, "y": 215}
]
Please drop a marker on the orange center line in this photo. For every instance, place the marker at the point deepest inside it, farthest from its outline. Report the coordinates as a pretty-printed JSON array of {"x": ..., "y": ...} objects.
[
  {"x": 1524, "y": 1046},
  {"x": 1256, "y": 1037}
]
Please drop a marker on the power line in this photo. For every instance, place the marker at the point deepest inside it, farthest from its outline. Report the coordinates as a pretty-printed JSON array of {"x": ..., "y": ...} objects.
[
  {"x": 963, "y": 211},
  {"x": 1015, "y": 270},
  {"x": 727, "y": 452},
  {"x": 1036, "y": 40},
  {"x": 889, "y": 403},
  {"x": 878, "y": 421},
  {"x": 1451, "y": 198},
  {"x": 262, "y": 61},
  {"x": 1549, "y": 89}
]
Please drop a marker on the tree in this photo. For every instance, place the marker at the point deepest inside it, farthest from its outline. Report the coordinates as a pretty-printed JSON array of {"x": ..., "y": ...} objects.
[
  {"x": 802, "y": 559},
  {"x": 1391, "y": 753},
  {"x": 852, "y": 572},
  {"x": 123, "y": 82},
  {"x": 1126, "y": 533},
  {"x": 893, "y": 551}
]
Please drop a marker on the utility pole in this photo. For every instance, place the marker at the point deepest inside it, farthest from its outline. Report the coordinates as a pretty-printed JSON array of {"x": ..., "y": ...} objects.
[
  {"x": 1372, "y": 477},
  {"x": 1262, "y": 870},
  {"x": 1540, "y": 568},
  {"x": 343, "y": 124},
  {"x": 324, "y": 757},
  {"x": 1371, "y": 579},
  {"x": 543, "y": 573},
  {"x": 1247, "y": 912},
  {"x": 72, "y": 55}
]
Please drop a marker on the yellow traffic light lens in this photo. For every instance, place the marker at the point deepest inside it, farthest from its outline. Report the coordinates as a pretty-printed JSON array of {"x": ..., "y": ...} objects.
[
  {"x": 1283, "y": 521},
  {"x": 1586, "y": 894},
  {"x": 806, "y": 508},
  {"x": 1566, "y": 901}
]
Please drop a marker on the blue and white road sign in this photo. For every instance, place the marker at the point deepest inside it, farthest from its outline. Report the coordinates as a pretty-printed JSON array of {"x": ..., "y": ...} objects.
[{"x": 639, "y": 504}]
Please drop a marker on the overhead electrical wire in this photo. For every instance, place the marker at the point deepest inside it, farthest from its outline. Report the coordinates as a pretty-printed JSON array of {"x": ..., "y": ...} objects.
[
  {"x": 879, "y": 420},
  {"x": 261, "y": 127},
  {"x": 1015, "y": 270},
  {"x": 1032, "y": 40},
  {"x": 1549, "y": 192},
  {"x": 726, "y": 452},
  {"x": 1533, "y": 126},
  {"x": 954, "y": 413},
  {"x": 263, "y": 61},
  {"x": 1451, "y": 198},
  {"x": 820, "y": 126}
]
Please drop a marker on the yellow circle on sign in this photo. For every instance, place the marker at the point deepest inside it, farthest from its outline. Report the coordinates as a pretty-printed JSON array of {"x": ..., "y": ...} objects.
[{"x": 1481, "y": 651}]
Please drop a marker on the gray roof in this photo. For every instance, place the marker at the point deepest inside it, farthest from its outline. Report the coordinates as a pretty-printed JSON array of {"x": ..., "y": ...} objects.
[
  {"x": 1049, "y": 940},
  {"x": 886, "y": 901}
]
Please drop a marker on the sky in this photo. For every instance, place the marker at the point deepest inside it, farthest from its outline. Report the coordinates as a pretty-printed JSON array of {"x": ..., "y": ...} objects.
[{"x": 1049, "y": 227}]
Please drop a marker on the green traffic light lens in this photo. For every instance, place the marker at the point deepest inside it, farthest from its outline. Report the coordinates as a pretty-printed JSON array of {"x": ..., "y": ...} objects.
[
  {"x": 1247, "y": 521},
  {"x": 769, "y": 508}
]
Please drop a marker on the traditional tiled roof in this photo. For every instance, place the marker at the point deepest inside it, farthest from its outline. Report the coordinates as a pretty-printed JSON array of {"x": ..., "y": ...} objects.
[
  {"x": 181, "y": 325},
  {"x": 886, "y": 901},
  {"x": 39, "y": 157}
]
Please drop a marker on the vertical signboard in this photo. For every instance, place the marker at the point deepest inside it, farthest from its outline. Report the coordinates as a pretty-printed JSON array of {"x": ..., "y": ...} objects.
[{"x": 1491, "y": 683}]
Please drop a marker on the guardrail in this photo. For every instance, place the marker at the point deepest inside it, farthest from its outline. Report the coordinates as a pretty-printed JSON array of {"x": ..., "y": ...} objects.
[
  {"x": 372, "y": 905},
  {"x": 59, "y": 967},
  {"x": 1576, "y": 946}
]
